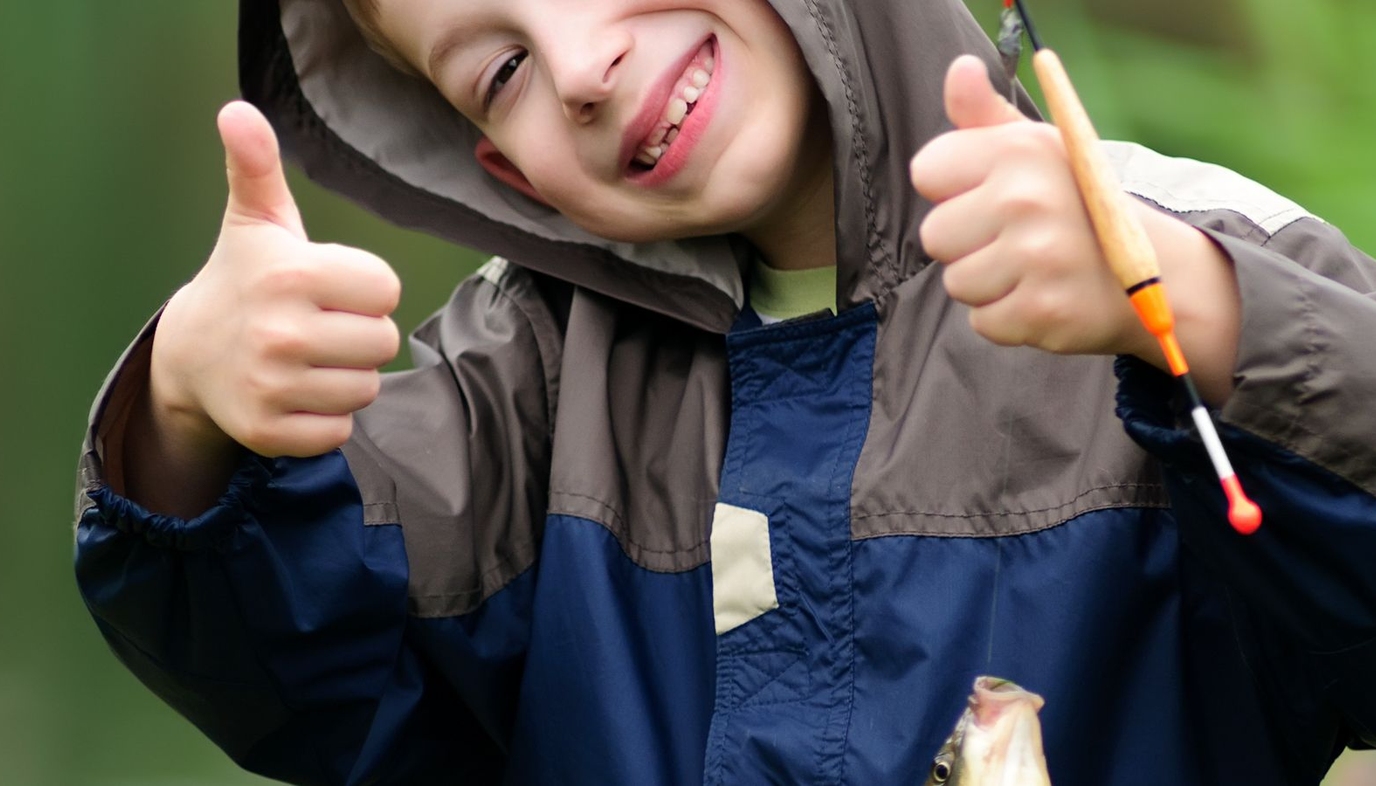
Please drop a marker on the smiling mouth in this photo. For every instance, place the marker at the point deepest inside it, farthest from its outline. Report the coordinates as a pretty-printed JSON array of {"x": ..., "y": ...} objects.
[{"x": 684, "y": 98}]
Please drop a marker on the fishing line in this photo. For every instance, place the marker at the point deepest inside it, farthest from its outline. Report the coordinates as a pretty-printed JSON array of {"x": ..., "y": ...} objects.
[{"x": 994, "y": 602}]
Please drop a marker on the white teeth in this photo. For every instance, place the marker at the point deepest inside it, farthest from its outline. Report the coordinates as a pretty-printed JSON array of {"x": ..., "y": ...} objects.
[
  {"x": 660, "y": 139},
  {"x": 678, "y": 109}
]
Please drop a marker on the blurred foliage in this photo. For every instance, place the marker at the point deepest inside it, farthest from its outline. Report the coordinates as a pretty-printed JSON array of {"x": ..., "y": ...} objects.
[{"x": 111, "y": 189}]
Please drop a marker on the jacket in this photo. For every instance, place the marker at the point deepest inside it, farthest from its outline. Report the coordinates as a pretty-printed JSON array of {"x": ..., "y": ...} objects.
[{"x": 605, "y": 532}]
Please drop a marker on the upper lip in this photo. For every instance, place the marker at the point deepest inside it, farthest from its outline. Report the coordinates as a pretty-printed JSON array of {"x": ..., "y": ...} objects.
[{"x": 652, "y": 107}]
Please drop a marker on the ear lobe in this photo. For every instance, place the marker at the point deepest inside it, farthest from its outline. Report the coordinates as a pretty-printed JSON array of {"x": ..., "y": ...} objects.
[{"x": 500, "y": 167}]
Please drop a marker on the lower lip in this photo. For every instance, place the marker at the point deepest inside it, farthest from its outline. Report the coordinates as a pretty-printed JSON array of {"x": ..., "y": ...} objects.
[{"x": 690, "y": 132}]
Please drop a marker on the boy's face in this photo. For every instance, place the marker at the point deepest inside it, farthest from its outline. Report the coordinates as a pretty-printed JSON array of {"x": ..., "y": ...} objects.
[{"x": 586, "y": 101}]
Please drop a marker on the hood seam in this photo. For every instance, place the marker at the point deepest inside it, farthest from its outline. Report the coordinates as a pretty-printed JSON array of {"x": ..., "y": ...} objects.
[{"x": 874, "y": 245}]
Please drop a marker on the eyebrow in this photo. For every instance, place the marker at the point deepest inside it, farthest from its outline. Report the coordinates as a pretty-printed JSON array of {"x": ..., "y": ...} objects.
[{"x": 445, "y": 46}]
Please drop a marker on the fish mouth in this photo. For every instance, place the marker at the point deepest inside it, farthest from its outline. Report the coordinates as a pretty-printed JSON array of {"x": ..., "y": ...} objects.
[
  {"x": 993, "y": 697},
  {"x": 998, "y": 739},
  {"x": 676, "y": 94}
]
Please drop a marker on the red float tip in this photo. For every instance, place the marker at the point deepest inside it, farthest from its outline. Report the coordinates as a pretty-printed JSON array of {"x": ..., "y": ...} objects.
[
  {"x": 1243, "y": 513},
  {"x": 1007, "y": 3}
]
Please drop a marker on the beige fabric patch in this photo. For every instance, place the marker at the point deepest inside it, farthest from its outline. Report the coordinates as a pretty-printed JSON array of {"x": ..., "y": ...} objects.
[
  {"x": 1184, "y": 185},
  {"x": 742, "y": 567}
]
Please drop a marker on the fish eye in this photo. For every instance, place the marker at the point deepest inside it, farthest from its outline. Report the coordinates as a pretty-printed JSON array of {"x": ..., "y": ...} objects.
[{"x": 941, "y": 770}]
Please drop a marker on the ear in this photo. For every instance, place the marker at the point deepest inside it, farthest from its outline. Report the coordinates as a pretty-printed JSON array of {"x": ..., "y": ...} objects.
[{"x": 500, "y": 167}]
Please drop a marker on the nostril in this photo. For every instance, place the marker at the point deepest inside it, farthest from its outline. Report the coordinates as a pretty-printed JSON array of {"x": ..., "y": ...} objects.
[{"x": 607, "y": 77}]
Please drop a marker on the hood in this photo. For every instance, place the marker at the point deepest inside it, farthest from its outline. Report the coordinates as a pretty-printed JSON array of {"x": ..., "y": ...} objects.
[{"x": 390, "y": 143}]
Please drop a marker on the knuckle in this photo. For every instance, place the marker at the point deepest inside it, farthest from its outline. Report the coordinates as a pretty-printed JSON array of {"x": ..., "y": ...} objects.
[
  {"x": 328, "y": 252},
  {"x": 1035, "y": 139},
  {"x": 1040, "y": 249},
  {"x": 278, "y": 338},
  {"x": 1020, "y": 200},
  {"x": 291, "y": 277},
  {"x": 1049, "y": 308},
  {"x": 993, "y": 330},
  {"x": 264, "y": 392}
]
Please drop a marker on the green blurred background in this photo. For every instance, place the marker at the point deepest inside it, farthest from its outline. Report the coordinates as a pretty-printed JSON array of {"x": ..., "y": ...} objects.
[{"x": 111, "y": 192}]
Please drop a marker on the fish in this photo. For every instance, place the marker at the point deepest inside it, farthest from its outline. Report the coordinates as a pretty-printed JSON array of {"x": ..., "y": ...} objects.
[{"x": 996, "y": 742}]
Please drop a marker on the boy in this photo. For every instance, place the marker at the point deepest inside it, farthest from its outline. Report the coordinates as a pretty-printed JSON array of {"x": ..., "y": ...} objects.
[{"x": 590, "y": 540}]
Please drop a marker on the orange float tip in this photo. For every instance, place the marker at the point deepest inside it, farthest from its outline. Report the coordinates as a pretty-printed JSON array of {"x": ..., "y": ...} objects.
[
  {"x": 1243, "y": 513},
  {"x": 1175, "y": 358}
]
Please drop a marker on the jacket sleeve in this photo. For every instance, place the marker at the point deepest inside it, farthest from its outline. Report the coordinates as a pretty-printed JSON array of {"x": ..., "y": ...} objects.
[
  {"x": 1300, "y": 431},
  {"x": 297, "y": 621},
  {"x": 280, "y": 635}
]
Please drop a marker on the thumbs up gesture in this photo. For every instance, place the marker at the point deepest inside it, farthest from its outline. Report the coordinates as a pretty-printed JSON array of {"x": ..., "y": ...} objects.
[
  {"x": 1012, "y": 232},
  {"x": 277, "y": 340}
]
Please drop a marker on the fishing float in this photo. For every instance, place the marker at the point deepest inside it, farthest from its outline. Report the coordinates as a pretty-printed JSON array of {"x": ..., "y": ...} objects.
[{"x": 1122, "y": 239}]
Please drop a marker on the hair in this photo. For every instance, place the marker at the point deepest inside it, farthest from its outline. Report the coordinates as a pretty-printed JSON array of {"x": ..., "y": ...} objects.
[{"x": 364, "y": 14}]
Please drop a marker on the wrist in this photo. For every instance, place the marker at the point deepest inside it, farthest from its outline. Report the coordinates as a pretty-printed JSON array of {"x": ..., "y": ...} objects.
[
  {"x": 175, "y": 459},
  {"x": 1205, "y": 300},
  {"x": 173, "y": 413}
]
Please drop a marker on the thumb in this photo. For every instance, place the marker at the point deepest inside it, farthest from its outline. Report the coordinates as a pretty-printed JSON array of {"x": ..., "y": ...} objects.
[
  {"x": 258, "y": 188},
  {"x": 971, "y": 100}
]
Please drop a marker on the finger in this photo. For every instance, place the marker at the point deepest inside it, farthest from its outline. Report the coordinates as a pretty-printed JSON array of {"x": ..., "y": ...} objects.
[
  {"x": 1050, "y": 318},
  {"x": 351, "y": 341},
  {"x": 258, "y": 188},
  {"x": 971, "y": 100},
  {"x": 995, "y": 323},
  {"x": 334, "y": 391},
  {"x": 299, "y": 434},
  {"x": 955, "y": 162},
  {"x": 959, "y": 226},
  {"x": 355, "y": 281},
  {"x": 980, "y": 279}
]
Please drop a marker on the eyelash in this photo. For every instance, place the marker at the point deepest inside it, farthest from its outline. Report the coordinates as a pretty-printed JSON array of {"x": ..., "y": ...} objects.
[{"x": 504, "y": 74}]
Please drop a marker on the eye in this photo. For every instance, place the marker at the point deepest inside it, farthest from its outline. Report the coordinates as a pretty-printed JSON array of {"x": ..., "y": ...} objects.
[
  {"x": 504, "y": 74},
  {"x": 941, "y": 770}
]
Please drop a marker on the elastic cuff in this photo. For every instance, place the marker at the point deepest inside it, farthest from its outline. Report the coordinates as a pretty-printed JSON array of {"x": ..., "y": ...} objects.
[
  {"x": 1156, "y": 414},
  {"x": 210, "y": 529}
]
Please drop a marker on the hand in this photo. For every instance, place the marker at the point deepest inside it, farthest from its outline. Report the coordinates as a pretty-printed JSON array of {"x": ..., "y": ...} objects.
[
  {"x": 277, "y": 340},
  {"x": 1011, "y": 229}
]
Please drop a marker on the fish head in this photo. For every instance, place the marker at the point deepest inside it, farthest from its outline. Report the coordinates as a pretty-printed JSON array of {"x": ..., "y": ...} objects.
[{"x": 996, "y": 742}]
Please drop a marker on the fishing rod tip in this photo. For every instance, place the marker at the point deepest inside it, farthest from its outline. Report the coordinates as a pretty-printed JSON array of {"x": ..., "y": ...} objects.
[{"x": 1243, "y": 513}]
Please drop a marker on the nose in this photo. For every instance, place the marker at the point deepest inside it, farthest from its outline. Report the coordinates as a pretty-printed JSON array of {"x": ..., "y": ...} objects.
[{"x": 584, "y": 62}]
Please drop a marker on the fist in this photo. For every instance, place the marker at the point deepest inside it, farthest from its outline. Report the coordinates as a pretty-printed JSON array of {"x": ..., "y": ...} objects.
[
  {"x": 277, "y": 340},
  {"x": 1011, "y": 230}
]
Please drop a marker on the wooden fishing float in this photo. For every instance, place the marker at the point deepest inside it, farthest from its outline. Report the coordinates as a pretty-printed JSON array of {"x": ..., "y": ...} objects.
[{"x": 1129, "y": 251}]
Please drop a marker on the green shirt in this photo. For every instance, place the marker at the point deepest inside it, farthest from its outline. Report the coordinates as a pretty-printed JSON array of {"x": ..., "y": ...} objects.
[{"x": 777, "y": 295}]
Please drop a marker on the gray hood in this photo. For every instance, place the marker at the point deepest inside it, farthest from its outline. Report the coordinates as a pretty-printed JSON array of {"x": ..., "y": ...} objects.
[{"x": 392, "y": 144}]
